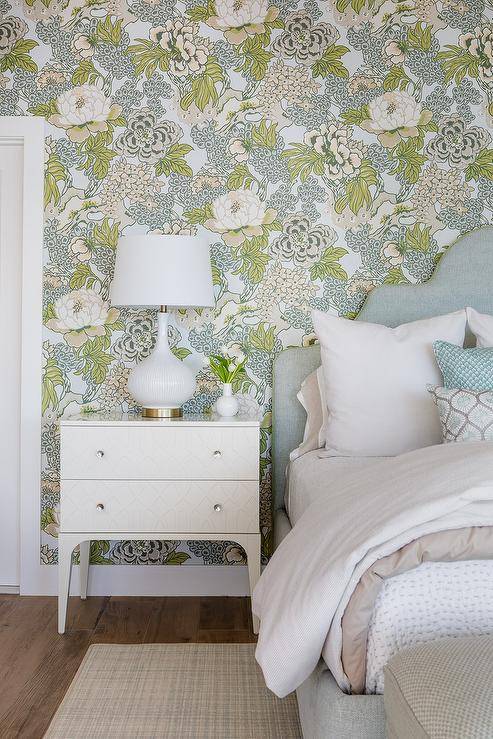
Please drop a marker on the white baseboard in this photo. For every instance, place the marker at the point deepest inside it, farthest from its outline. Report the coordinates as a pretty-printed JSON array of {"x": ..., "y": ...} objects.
[
  {"x": 9, "y": 589},
  {"x": 151, "y": 580}
]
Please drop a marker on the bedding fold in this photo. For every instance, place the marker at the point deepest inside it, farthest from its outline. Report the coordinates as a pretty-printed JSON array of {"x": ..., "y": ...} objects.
[{"x": 373, "y": 514}]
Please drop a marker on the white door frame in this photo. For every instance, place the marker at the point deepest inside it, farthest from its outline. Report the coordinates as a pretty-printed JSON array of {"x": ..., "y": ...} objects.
[{"x": 29, "y": 131}]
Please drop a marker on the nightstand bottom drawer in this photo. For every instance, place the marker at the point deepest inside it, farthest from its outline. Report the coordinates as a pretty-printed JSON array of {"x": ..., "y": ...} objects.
[{"x": 114, "y": 506}]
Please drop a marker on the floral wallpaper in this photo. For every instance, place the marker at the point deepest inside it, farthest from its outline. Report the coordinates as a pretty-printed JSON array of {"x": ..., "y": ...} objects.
[{"x": 324, "y": 147}]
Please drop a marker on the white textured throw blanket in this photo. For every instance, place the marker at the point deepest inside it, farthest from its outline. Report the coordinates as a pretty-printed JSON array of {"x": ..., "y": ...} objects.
[{"x": 302, "y": 595}]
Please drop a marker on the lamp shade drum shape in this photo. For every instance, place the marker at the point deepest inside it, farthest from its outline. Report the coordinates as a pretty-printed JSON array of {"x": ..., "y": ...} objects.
[{"x": 153, "y": 270}]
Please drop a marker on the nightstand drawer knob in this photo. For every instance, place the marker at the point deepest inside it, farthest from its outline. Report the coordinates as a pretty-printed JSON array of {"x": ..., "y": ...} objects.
[
  {"x": 100, "y": 507},
  {"x": 217, "y": 453},
  {"x": 100, "y": 454},
  {"x": 218, "y": 508}
]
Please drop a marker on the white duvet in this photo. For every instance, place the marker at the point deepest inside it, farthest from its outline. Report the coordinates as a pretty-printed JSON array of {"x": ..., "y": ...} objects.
[{"x": 303, "y": 592}]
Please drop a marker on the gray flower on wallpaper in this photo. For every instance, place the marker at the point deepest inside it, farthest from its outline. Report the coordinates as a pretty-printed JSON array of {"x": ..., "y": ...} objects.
[
  {"x": 142, "y": 552},
  {"x": 304, "y": 41},
  {"x": 137, "y": 341},
  {"x": 145, "y": 138},
  {"x": 212, "y": 552},
  {"x": 301, "y": 242},
  {"x": 11, "y": 30},
  {"x": 455, "y": 144}
]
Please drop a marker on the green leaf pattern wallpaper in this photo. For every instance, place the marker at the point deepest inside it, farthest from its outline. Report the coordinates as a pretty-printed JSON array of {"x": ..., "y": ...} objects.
[{"x": 324, "y": 147}]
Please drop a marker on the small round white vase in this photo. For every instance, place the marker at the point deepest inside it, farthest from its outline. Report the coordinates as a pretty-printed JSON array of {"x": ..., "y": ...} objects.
[{"x": 226, "y": 404}]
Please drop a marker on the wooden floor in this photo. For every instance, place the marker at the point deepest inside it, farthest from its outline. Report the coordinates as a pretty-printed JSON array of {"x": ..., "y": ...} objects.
[{"x": 37, "y": 664}]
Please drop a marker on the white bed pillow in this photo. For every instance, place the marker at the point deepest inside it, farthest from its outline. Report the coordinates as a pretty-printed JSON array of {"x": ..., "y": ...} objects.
[
  {"x": 312, "y": 397},
  {"x": 481, "y": 324},
  {"x": 375, "y": 381}
]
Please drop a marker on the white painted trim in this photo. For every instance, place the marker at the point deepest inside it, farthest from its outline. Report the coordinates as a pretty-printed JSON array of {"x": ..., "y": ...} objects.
[
  {"x": 30, "y": 131},
  {"x": 9, "y": 590},
  {"x": 159, "y": 580}
]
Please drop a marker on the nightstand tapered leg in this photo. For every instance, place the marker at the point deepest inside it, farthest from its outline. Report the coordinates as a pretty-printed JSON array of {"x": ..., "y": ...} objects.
[
  {"x": 251, "y": 544},
  {"x": 84, "y": 549},
  {"x": 65, "y": 549}
]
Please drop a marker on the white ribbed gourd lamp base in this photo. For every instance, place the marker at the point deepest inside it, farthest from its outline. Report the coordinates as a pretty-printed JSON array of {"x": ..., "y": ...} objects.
[{"x": 161, "y": 383}]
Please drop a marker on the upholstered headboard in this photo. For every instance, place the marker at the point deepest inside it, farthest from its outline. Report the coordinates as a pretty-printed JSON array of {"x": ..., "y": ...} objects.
[{"x": 464, "y": 277}]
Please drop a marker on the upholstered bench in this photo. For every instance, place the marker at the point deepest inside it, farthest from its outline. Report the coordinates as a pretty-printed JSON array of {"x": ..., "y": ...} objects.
[{"x": 441, "y": 690}]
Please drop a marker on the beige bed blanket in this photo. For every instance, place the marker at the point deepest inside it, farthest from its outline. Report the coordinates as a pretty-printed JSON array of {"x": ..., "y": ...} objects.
[{"x": 373, "y": 517}]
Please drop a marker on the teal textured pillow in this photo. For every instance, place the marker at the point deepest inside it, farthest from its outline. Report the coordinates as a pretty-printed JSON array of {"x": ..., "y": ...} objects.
[
  {"x": 465, "y": 415},
  {"x": 468, "y": 369}
]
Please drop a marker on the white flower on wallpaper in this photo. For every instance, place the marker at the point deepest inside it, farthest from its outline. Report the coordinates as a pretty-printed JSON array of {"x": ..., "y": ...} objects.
[{"x": 323, "y": 146}]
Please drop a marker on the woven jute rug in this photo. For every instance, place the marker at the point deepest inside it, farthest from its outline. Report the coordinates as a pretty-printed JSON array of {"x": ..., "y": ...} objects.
[{"x": 178, "y": 691}]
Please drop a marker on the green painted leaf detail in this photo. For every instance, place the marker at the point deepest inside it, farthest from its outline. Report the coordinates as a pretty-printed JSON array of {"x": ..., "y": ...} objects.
[
  {"x": 482, "y": 166},
  {"x": 52, "y": 378},
  {"x": 174, "y": 161},
  {"x": 109, "y": 32},
  {"x": 181, "y": 352},
  {"x": 407, "y": 160},
  {"x": 19, "y": 58},
  {"x": 356, "y": 116},
  {"x": 85, "y": 73},
  {"x": 96, "y": 361},
  {"x": 329, "y": 265},
  {"x": 303, "y": 160},
  {"x": 262, "y": 338},
  {"x": 264, "y": 135},
  {"x": 253, "y": 260},
  {"x": 98, "y": 156},
  {"x": 55, "y": 172},
  {"x": 396, "y": 277},
  {"x": 419, "y": 36},
  {"x": 240, "y": 177},
  {"x": 197, "y": 216},
  {"x": 176, "y": 558},
  {"x": 330, "y": 62},
  {"x": 148, "y": 57},
  {"x": 457, "y": 63},
  {"x": 106, "y": 235},
  {"x": 396, "y": 79},
  {"x": 418, "y": 238},
  {"x": 255, "y": 58},
  {"x": 203, "y": 90}
]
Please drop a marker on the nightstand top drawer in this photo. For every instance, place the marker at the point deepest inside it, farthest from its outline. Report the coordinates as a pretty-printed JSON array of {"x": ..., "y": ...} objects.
[
  {"x": 159, "y": 452},
  {"x": 133, "y": 419}
]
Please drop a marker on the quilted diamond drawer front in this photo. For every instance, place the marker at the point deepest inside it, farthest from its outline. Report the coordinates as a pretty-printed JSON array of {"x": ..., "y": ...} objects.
[
  {"x": 175, "y": 506},
  {"x": 178, "y": 453}
]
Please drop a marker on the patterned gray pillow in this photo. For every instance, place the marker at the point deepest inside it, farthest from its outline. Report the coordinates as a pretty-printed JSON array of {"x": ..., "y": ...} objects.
[{"x": 465, "y": 415}]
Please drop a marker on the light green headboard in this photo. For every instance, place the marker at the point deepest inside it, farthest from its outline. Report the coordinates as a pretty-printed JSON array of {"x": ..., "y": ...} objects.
[{"x": 464, "y": 277}]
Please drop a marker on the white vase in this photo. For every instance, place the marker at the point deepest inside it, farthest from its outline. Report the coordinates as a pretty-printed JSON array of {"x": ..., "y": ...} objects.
[{"x": 226, "y": 404}]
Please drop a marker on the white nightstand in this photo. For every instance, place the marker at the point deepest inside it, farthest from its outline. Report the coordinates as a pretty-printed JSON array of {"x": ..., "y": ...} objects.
[{"x": 127, "y": 477}]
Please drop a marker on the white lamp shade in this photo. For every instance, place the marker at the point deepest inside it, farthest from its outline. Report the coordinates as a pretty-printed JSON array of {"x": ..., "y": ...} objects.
[{"x": 162, "y": 270}]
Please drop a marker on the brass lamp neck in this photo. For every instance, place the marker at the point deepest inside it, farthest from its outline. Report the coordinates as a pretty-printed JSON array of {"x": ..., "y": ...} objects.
[{"x": 163, "y": 308}]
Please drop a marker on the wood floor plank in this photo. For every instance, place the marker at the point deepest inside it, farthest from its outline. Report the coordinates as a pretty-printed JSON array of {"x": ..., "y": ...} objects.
[
  {"x": 37, "y": 664},
  {"x": 125, "y": 620},
  {"x": 176, "y": 621}
]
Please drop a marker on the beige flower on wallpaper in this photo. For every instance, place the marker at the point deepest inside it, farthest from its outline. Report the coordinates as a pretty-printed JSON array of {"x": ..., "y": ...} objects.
[
  {"x": 238, "y": 19},
  {"x": 80, "y": 315},
  {"x": 188, "y": 51},
  {"x": 81, "y": 250},
  {"x": 395, "y": 116},
  {"x": 342, "y": 154},
  {"x": 83, "y": 46},
  {"x": 84, "y": 110},
  {"x": 480, "y": 45},
  {"x": 238, "y": 215},
  {"x": 391, "y": 254}
]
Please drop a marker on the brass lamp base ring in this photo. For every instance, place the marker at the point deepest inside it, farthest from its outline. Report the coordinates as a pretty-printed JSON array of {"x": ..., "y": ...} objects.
[{"x": 162, "y": 412}]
